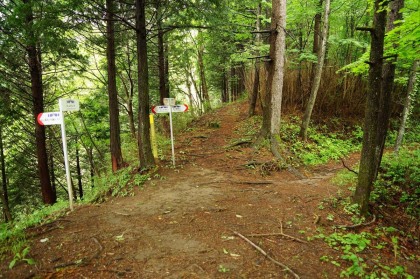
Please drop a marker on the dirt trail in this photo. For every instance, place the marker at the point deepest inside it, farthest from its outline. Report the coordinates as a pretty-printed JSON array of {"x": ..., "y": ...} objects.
[{"x": 180, "y": 225}]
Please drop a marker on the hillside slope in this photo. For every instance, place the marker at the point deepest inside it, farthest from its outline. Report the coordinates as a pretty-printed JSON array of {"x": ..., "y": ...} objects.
[{"x": 182, "y": 223}]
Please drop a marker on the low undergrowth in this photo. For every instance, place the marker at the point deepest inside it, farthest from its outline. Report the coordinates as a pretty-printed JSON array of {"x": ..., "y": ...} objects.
[
  {"x": 322, "y": 145},
  {"x": 386, "y": 245}
]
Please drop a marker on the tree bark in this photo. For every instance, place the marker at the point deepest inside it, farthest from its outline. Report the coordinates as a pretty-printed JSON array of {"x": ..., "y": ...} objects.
[
  {"x": 4, "y": 193},
  {"x": 35, "y": 70},
  {"x": 204, "y": 89},
  {"x": 129, "y": 93},
  {"x": 407, "y": 105},
  {"x": 317, "y": 76},
  {"x": 79, "y": 171},
  {"x": 114, "y": 123},
  {"x": 388, "y": 74},
  {"x": 225, "y": 87},
  {"x": 370, "y": 128},
  {"x": 145, "y": 146},
  {"x": 161, "y": 58},
  {"x": 256, "y": 87},
  {"x": 273, "y": 95}
]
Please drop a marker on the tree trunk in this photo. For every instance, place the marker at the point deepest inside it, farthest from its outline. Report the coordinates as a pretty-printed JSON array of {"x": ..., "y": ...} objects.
[
  {"x": 79, "y": 171},
  {"x": 317, "y": 29},
  {"x": 225, "y": 87},
  {"x": 145, "y": 146},
  {"x": 3, "y": 192},
  {"x": 129, "y": 92},
  {"x": 203, "y": 80},
  {"x": 161, "y": 61},
  {"x": 114, "y": 123},
  {"x": 370, "y": 128},
  {"x": 388, "y": 74},
  {"x": 274, "y": 91},
  {"x": 198, "y": 93},
  {"x": 256, "y": 87},
  {"x": 407, "y": 104},
  {"x": 52, "y": 169},
  {"x": 317, "y": 76},
  {"x": 35, "y": 70},
  {"x": 255, "y": 90},
  {"x": 163, "y": 90}
]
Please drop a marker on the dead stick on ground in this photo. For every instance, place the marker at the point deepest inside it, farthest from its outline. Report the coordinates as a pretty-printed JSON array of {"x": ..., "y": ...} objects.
[
  {"x": 357, "y": 225},
  {"x": 277, "y": 234},
  {"x": 254, "y": 182},
  {"x": 259, "y": 249}
]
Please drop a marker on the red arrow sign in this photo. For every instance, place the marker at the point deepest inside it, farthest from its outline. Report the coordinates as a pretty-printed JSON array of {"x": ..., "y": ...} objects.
[
  {"x": 49, "y": 118},
  {"x": 165, "y": 109}
]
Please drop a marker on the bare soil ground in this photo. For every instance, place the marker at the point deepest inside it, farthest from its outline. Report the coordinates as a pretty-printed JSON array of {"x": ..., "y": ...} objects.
[{"x": 182, "y": 223}]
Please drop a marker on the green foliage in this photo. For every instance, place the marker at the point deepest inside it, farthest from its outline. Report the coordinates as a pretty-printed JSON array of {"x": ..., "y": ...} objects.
[
  {"x": 398, "y": 182},
  {"x": 322, "y": 146},
  {"x": 21, "y": 257},
  {"x": 118, "y": 184},
  {"x": 12, "y": 235},
  {"x": 357, "y": 254}
]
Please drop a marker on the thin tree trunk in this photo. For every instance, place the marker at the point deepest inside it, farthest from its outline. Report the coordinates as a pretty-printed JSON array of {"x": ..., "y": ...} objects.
[
  {"x": 166, "y": 51},
  {"x": 52, "y": 169},
  {"x": 318, "y": 37},
  {"x": 79, "y": 171},
  {"x": 317, "y": 76},
  {"x": 203, "y": 80},
  {"x": 163, "y": 90},
  {"x": 407, "y": 105},
  {"x": 4, "y": 193},
  {"x": 145, "y": 146},
  {"x": 225, "y": 87},
  {"x": 255, "y": 90},
  {"x": 370, "y": 128},
  {"x": 198, "y": 93},
  {"x": 129, "y": 93},
  {"x": 256, "y": 87},
  {"x": 388, "y": 74},
  {"x": 35, "y": 70},
  {"x": 114, "y": 123},
  {"x": 161, "y": 61}
]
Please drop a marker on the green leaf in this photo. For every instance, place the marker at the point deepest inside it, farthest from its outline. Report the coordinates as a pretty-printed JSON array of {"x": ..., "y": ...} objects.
[{"x": 12, "y": 263}]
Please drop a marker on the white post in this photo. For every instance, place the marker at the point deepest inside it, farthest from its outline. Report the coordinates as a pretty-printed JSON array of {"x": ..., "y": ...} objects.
[
  {"x": 66, "y": 159},
  {"x": 172, "y": 135}
]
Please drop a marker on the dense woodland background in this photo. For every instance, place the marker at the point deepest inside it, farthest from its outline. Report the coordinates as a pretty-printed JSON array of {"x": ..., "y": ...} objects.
[{"x": 119, "y": 58}]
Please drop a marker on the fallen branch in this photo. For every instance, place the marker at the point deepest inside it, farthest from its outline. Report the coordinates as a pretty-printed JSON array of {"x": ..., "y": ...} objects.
[
  {"x": 277, "y": 234},
  {"x": 119, "y": 213},
  {"x": 357, "y": 225},
  {"x": 259, "y": 249},
  {"x": 344, "y": 165},
  {"x": 254, "y": 182},
  {"x": 100, "y": 248},
  {"x": 241, "y": 142}
]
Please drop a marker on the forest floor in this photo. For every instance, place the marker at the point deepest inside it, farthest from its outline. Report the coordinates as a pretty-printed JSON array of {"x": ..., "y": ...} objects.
[{"x": 185, "y": 221}]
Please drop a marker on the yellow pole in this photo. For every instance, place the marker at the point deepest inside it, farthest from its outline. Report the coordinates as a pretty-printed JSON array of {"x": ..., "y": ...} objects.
[{"x": 153, "y": 136}]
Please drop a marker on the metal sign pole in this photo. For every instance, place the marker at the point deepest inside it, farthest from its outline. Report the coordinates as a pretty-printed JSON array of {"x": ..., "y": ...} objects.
[
  {"x": 172, "y": 135},
  {"x": 66, "y": 159}
]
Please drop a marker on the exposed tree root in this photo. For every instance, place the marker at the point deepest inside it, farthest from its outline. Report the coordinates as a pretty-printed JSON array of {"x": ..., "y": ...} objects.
[{"x": 275, "y": 149}]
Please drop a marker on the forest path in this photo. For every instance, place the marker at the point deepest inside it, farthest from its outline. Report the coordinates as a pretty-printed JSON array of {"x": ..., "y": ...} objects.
[{"x": 181, "y": 223}]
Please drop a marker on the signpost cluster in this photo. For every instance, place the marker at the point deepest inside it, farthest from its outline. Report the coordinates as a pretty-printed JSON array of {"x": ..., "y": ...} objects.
[
  {"x": 170, "y": 107},
  {"x": 57, "y": 118}
]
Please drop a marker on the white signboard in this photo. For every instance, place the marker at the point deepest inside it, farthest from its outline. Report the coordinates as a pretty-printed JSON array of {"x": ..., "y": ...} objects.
[
  {"x": 165, "y": 109},
  {"x": 169, "y": 101},
  {"x": 69, "y": 105},
  {"x": 49, "y": 118}
]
